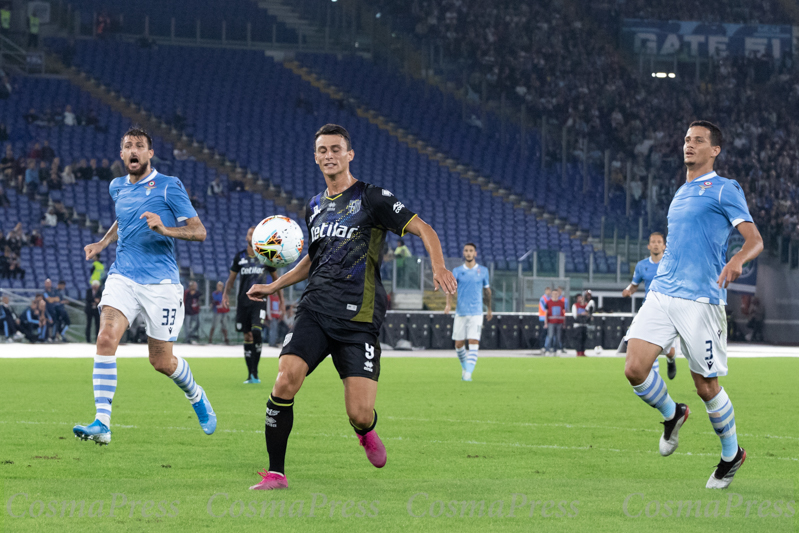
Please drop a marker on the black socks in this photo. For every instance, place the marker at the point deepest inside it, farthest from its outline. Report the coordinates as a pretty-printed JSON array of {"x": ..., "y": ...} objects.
[
  {"x": 279, "y": 421},
  {"x": 248, "y": 349}
]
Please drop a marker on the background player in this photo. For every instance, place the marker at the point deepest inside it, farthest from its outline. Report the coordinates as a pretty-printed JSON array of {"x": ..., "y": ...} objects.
[
  {"x": 344, "y": 304},
  {"x": 250, "y": 315},
  {"x": 472, "y": 289},
  {"x": 144, "y": 280},
  {"x": 688, "y": 295},
  {"x": 645, "y": 271}
]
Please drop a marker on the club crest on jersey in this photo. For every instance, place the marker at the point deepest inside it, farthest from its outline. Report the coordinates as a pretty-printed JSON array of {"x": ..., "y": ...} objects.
[
  {"x": 316, "y": 211},
  {"x": 150, "y": 186},
  {"x": 353, "y": 207},
  {"x": 705, "y": 186}
]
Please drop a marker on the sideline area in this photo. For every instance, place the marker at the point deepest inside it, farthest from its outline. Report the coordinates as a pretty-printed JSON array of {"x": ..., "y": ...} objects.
[{"x": 77, "y": 350}]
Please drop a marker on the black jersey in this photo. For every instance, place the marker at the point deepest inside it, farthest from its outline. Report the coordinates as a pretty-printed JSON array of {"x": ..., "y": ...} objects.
[
  {"x": 347, "y": 233},
  {"x": 251, "y": 271}
]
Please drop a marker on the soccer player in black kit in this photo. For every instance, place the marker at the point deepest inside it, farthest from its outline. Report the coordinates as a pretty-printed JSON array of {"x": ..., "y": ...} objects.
[
  {"x": 250, "y": 314},
  {"x": 344, "y": 304}
]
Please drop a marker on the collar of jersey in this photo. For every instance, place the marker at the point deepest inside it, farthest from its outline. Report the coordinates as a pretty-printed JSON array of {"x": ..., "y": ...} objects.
[
  {"x": 704, "y": 177},
  {"x": 150, "y": 176},
  {"x": 476, "y": 264}
]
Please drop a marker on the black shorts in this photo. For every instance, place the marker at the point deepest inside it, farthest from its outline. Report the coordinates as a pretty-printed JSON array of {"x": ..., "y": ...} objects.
[
  {"x": 249, "y": 316},
  {"x": 314, "y": 336}
]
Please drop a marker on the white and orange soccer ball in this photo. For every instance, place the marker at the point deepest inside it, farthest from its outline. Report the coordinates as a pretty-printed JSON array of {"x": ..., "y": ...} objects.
[{"x": 277, "y": 241}]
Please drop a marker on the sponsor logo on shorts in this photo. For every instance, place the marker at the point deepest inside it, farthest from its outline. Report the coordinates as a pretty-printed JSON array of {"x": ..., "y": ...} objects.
[
  {"x": 352, "y": 307},
  {"x": 287, "y": 339},
  {"x": 368, "y": 366}
]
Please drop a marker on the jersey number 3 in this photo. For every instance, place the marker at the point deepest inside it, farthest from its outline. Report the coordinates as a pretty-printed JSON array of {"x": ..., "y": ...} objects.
[{"x": 169, "y": 317}]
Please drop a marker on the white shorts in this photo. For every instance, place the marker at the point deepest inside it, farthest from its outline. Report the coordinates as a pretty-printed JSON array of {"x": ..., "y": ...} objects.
[
  {"x": 161, "y": 305},
  {"x": 467, "y": 327},
  {"x": 702, "y": 329}
]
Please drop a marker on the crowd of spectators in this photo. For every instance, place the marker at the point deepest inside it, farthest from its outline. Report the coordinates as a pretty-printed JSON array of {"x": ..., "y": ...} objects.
[
  {"x": 562, "y": 66},
  {"x": 727, "y": 11}
]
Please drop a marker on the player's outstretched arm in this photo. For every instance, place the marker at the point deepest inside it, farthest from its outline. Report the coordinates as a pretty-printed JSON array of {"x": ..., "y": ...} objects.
[
  {"x": 753, "y": 245},
  {"x": 441, "y": 276},
  {"x": 192, "y": 231},
  {"x": 295, "y": 275},
  {"x": 97, "y": 247}
]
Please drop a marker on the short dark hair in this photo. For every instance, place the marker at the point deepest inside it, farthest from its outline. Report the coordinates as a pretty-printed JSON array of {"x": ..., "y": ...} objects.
[
  {"x": 137, "y": 131},
  {"x": 657, "y": 234},
  {"x": 473, "y": 245},
  {"x": 333, "y": 129},
  {"x": 62, "y": 282},
  {"x": 716, "y": 137}
]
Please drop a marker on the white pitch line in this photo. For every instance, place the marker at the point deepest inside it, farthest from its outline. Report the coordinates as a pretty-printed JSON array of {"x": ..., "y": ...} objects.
[{"x": 406, "y": 439}]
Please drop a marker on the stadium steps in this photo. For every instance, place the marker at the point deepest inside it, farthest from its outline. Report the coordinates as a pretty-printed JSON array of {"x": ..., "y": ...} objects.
[
  {"x": 437, "y": 300},
  {"x": 252, "y": 182},
  {"x": 464, "y": 171},
  {"x": 287, "y": 15}
]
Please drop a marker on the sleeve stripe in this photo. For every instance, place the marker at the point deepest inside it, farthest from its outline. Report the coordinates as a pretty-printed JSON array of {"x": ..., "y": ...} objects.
[
  {"x": 722, "y": 188},
  {"x": 737, "y": 221},
  {"x": 402, "y": 233}
]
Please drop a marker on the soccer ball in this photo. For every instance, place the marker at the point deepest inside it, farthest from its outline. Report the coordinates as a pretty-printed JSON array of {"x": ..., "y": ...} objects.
[{"x": 277, "y": 241}]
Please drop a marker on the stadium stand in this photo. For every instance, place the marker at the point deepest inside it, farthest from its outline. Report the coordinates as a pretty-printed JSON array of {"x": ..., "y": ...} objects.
[{"x": 258, "y": 91}]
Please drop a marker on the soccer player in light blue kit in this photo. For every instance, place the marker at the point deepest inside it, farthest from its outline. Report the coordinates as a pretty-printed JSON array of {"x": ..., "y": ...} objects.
[
  {"x": 688, "y": 295},
  {"x": 144, "y": 280},
  {"x": 473, "y": 288},
  {"x": 645, "y": 271}
]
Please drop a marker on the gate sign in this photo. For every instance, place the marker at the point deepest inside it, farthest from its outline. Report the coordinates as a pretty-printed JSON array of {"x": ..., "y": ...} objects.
[
  {"x": 703, "y": 39},
  {"x": 747, "y": 281}
]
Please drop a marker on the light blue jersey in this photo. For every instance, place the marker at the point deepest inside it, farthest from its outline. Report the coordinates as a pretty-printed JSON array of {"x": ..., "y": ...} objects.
[
  {"x": 701, "y": 218},
  {"x": 645, "y": 271},
  {"x": 143, "y": 255},
  {"x": 471, "y": 282}
]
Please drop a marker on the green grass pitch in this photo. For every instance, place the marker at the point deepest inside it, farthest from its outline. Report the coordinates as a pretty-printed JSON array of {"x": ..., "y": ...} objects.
[{"x": 530, "y": 445}]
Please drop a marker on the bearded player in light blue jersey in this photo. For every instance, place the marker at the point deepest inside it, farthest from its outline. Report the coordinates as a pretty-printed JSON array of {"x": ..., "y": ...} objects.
[
  {"x": 144, "y": 280},
  {"x": 688, "y": 295},
  {"x": 473, "y": 290},
  {"x": 645, "y": 271}
]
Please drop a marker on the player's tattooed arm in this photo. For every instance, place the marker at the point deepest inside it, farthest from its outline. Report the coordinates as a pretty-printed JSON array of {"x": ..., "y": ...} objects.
[
  {"x": 753, "y": 245},
  {"x": 297, "y": 274},
  {"x": 630, "y": 290},
  {"x": 94, "y": 249},
  {"x": 442, "y": 277},
  {"x": 192, "y": 231},
  {"x": 487, "y": 300}
]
